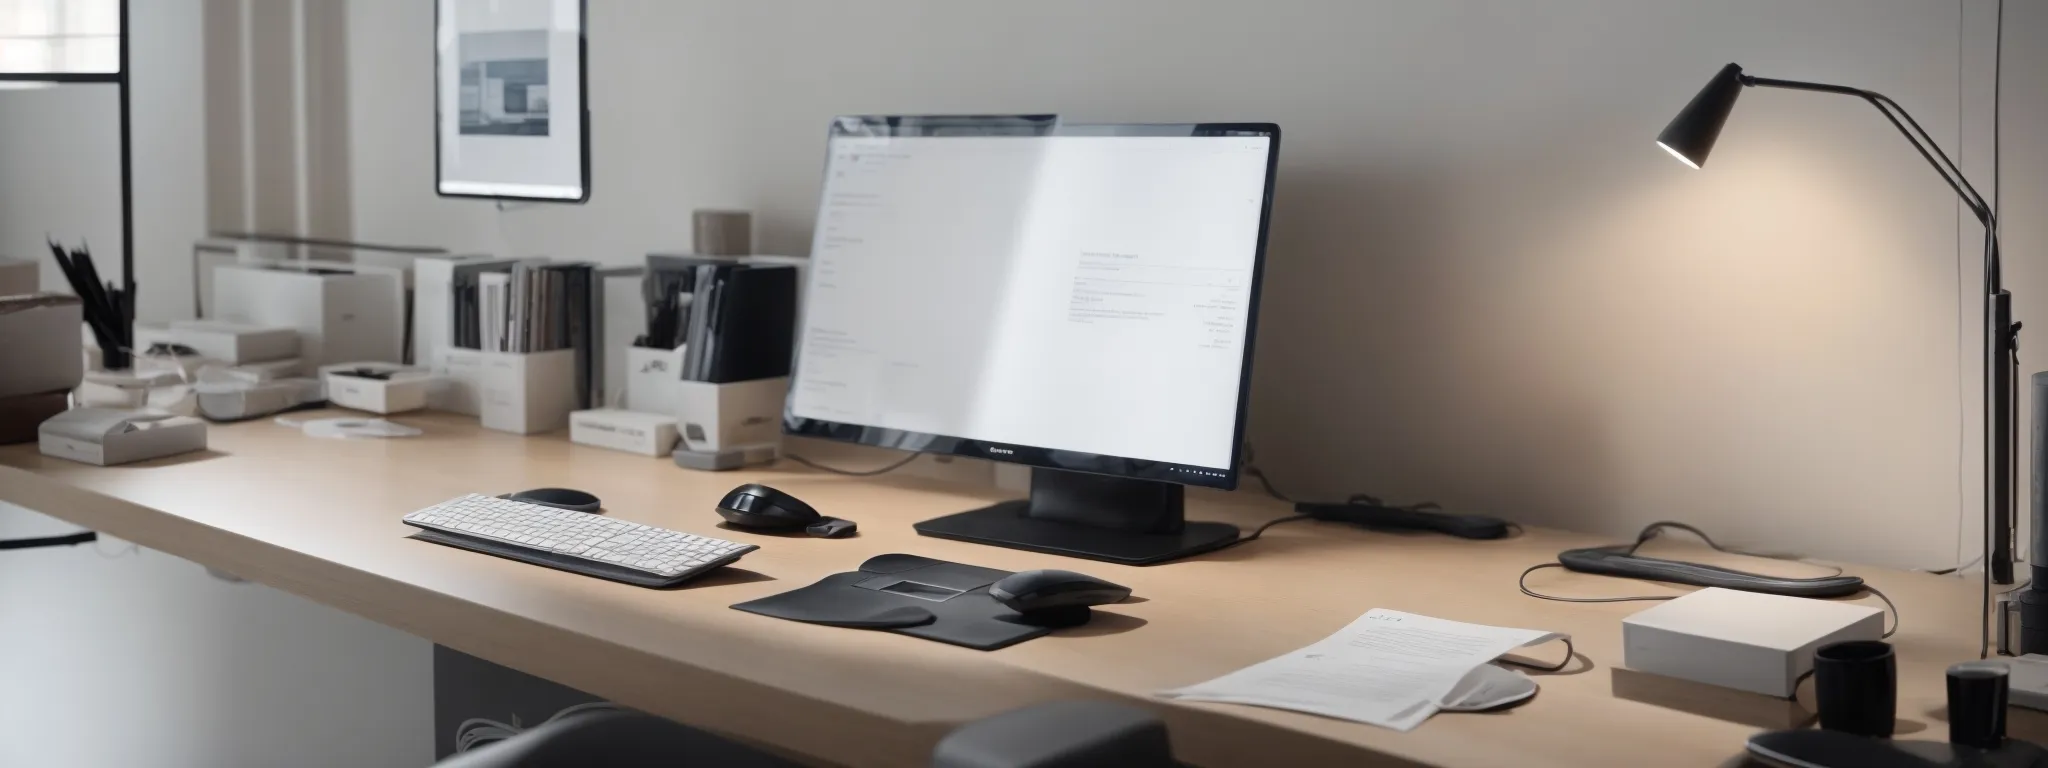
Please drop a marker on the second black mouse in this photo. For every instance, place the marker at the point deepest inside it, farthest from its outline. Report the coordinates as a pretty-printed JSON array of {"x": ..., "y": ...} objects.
[
  {"x": 1043, "y": 591},
  {"x": 763, "y": 508}
]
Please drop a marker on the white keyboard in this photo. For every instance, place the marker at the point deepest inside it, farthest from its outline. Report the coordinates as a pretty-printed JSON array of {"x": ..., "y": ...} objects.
[{"x": 574, "y": 540}]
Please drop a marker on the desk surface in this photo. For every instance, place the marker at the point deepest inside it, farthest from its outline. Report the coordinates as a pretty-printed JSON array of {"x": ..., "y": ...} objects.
[{"x": 320, "y": 518}]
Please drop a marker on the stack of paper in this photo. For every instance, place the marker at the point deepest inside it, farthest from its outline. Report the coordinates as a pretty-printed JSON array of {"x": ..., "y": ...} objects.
[{"x": 1388, "y": 668}]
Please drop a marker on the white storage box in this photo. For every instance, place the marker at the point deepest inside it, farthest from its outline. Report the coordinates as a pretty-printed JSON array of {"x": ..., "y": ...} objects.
[
  {"x": 461, "y": 385},
  {"x": 339, "y": 316},
  {"x": 528, "y": 394},
  {"x": 107, "y": 437},
  {"x": 404, "y": 389},
  {"x": 1742, "y": 640},
  {"x": 235, "y": 343},
  {"x": 714, "y": 418},
  {"x": 646, "y": 434}
]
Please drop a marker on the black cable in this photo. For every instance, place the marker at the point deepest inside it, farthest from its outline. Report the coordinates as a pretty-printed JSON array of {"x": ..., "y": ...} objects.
[
  {"x": 65, "y": 540},
  {"x": 849, "y": 472}
]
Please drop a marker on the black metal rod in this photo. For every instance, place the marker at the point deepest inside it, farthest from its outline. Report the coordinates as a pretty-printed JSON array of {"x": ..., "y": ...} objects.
[
  {"x": 69, "y": 539},
  {"x": 60, "y": 77},
  {"x": 127, "y": 329},
  {"x": 2001, "y": 334},
  {"x": 1925, "y": 145}
]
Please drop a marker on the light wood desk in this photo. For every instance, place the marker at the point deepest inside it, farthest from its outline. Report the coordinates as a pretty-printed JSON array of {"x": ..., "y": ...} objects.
[{"x": 320, "y": 518}]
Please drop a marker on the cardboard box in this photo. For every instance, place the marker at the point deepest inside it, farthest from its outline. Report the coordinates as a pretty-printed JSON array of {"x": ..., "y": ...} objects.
[
  {"x": 1743, "y": 640},
  {"x": 40, "y": 344},
  {"x": 461, "y": 384}
]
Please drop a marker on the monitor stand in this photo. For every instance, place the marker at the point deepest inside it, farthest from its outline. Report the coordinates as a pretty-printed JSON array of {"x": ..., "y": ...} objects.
[{"x": 1118, "y": 520}]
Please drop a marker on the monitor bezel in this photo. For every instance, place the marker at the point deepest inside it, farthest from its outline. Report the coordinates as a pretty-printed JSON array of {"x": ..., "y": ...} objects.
[{"x": 1225, "y": 478}]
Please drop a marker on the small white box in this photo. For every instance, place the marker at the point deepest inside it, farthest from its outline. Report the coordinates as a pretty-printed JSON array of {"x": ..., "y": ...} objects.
[
  {"x": 107, "y": 437},
  {"x": 18, "y": 277},
  {"x": 654, "y": 379},
  {"x": 528, "y": 394},
  {"x": 1743, "y": 640},
  {"x": 257, "y": 373},
  {"x": 714, "y": 418},
  {"x": 404, "y": 390},
  {"x": 646, "y": 434},
  {"x": 460, "y": 388},
  {"x": 40, "y": 349},
  {"x": 236, "y": 343}
]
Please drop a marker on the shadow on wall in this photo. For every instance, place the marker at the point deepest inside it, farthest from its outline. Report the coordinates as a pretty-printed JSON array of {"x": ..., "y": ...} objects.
[{"x": 1364, "y": 312}]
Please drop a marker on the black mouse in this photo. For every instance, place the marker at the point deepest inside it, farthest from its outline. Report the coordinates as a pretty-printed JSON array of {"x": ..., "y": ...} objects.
[
  {"x": 1053, "y": 597},
  {"x": 559, "y": 498},
  {"x": 763, "y": 508}
]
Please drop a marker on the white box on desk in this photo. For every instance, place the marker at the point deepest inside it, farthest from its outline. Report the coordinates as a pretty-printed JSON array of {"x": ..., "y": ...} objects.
[
  {"x": 340, "y": 316},
  {"x": 527, "y": 394},
  {"x": 1743, "y": 640},
  {"x": 461, "y": 385},
  {"x": 236, "y": 343},
  {"x": 654, "y": 379},
  {"x": 405, "y": 390},
  {"x": 646, "y": 434},
  {"x": 730, "y": 416}
]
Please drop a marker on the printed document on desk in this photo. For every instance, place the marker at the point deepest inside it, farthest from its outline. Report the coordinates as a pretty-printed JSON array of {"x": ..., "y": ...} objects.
[{"x": 1387, "y": 668}]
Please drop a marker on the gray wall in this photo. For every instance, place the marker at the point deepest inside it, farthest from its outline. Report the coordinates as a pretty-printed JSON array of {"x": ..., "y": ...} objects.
[{"x": 1485, "y": 285}]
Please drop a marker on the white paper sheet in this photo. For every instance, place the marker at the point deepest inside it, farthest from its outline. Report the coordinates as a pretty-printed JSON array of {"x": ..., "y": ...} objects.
[{"x": 1387, "y": 668}]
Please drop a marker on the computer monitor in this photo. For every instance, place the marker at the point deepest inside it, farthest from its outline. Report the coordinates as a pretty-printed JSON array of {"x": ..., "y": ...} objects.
[{"x": 1076, "y": 298}]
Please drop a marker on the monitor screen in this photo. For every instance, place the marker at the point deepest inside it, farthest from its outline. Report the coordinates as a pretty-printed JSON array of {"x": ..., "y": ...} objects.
[{"x": 1074, "y": 297}]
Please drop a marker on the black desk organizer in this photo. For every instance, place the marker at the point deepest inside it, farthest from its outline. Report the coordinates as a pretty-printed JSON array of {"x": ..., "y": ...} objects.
[{"x": 909, "y": 595}]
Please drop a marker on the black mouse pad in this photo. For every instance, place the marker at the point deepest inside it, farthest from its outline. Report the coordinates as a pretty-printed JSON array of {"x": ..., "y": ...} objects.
[{"x": 955, "y": 596}]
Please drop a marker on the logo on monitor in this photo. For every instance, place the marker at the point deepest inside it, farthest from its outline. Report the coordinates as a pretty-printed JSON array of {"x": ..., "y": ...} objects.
[{"x": 1002, "y": 451}]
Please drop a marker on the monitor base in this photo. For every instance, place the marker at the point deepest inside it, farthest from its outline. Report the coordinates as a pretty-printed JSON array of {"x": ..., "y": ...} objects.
[{"x": 1006, "y": 525}]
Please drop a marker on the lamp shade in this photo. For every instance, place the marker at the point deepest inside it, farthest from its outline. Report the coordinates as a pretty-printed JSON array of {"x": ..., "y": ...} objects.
[{"x": 1690, "y": 136}]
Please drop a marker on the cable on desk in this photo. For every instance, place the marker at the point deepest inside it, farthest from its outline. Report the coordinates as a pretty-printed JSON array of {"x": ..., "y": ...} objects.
[
  {"x": 851, "y": 472},
  {"x": 476, "y": 731}
]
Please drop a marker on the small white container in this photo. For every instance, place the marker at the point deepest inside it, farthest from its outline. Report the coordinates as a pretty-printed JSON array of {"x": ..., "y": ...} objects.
[
  {"x": 404, "y": 390},
  {"x": 715, "y": 418}
]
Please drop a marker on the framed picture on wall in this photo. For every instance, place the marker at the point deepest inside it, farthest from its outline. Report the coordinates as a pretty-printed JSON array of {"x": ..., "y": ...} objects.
[{"x": 510, "y": 118}]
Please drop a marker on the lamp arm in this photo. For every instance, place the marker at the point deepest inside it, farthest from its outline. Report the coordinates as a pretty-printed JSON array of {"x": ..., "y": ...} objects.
[{"x": 1922, "y": 142}]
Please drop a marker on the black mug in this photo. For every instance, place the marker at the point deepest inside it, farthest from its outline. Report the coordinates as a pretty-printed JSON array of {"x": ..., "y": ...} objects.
[
  {"x": 1977, "y": 695},
  {"x": 1856, "y": 683}
]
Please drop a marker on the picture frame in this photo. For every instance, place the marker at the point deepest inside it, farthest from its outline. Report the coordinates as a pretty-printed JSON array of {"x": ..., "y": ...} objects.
[{"x": 511, "y": 107}]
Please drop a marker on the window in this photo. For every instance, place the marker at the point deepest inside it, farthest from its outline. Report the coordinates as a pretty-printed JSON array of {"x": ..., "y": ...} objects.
[{"x": 68, "y": 36}]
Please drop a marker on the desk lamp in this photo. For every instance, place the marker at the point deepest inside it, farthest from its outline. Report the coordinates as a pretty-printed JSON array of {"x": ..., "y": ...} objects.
[{"x": 1690, "y": 137}]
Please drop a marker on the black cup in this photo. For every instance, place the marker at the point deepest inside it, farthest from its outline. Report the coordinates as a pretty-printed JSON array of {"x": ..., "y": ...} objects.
[
  {"x": 1977, "y": 692},
  {"x": 1857, "y": 685}
]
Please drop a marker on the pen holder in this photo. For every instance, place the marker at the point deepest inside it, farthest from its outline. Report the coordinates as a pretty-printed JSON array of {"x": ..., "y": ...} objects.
[
  {"x": 528, "y": 394},
  {"x": 654, "y": 379},
  {"x": 739, "y": 415}
]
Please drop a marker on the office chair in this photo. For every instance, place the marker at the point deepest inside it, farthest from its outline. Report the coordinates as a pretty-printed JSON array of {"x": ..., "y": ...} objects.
[{"x": 1066, "y": 734}]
